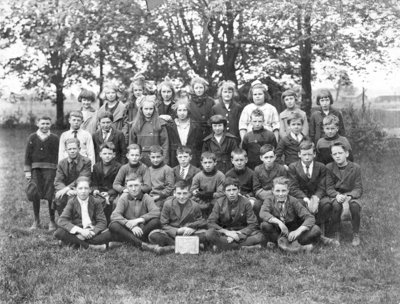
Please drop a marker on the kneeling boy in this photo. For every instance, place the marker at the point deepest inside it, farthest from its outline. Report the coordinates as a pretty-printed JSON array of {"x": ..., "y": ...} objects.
[
  {"x": 284, "y": 216},
  {"x": 232, "y": 222},
  {"x": 180, "y": 216},
  {"x": 83, "y": 219}
]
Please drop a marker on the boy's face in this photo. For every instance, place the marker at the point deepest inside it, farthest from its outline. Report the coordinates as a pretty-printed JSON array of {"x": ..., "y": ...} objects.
[
  {"x": 296, "y": 126},
  {"x": 105, "y": 124},
  {"x": 268, "y": 159},
  {"x": 227, "y": 95},
  {"x": 280, "y": 192},
  {"x": 182, "y": 112},
  {"x": 133, "y": 156},
  {"x": 325, "y": 103},
  {"x": 198, "y": 89},
  {"x": 307, "y": 156},
  {"x": 137, "y": 91},
  {"x": 218, "y": 129},
  {"x": 107, "y": 155},
  {"x": 86, "y": 103},
  {"x": 148, "y": 109},
  {"x": 339, "y": 155},
  {"x": 134, "y": 187},
  {"x": 257, "y": 122},
  {"x": 83, "y": 190},
  {"x": 72, "y": 150},
  {"x": 75, "y": 122},
  {"x": 184, "y": 159},
  {"x": 182, "y": 194},
  {"x": 239, "y": 161},
  {"x": 290, "y": 102},
  {"x": 156, "y": 158},
  {"x": 258, "y": 96},
  {"x": 330, "y": 130},
  {"x": 111, "y": 95},
  {"x": 44, "y": 125},
  {"x": 208, "y": 164},
  {"x": 232, "y": 193},
  {"x": 166, "y": 93}
]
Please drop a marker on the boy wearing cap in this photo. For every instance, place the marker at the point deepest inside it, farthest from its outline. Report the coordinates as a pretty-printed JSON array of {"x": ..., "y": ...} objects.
[{"x": 220, "y": 142}]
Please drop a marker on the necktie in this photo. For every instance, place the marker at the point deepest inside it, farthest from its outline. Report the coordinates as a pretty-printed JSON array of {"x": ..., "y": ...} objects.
[
  {"x": 73, "y": 172},
  {"x": 282, "y": 211},
  {"x": 75, "y": 133},
  {"x": 105, "y": 135},
  {"x": 308, "y": 171},
  {"x": 182, "y": 173}
]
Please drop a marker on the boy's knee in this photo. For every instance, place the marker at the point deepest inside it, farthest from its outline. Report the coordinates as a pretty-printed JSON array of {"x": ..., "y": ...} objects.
[
  {"x": 266, "y": 227},
  {"x": 59, "y": 233}
]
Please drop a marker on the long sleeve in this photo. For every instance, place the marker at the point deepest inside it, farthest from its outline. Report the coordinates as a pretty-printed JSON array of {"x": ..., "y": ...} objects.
[
  {"x": 275, "y": 125},
  {"x": 164, "y": 143},
  {"x": 28, "y": 155},
  {"x": 99, "y": 218},
  {"x": 119, "y": 181},
  {"x": 90, "y": 149},
  {"x": 153, "y": 210},
  {"x": 266, "y": 211},
  {"x": 214, "y": 217},
  {"x": 304, "y": 214},
  {"x": 119, "y": 211},
  {"x": 169, "y": 183},
  {"x": 59, "y": 180},
  {"x": 251, "y": 219},
  {"x": 61, "y": 147},
  {"x": 330, "y": 184},
  {"x": 65, "y": 219},
  {"x": 294, "y": 184}
]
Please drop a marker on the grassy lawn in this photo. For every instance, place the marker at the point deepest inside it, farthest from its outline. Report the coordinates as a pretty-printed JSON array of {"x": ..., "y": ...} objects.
[{"x": 35, "y": 270}]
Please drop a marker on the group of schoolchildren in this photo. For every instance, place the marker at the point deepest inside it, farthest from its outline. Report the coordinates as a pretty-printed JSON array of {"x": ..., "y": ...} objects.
[{"x": 159, "y": 167}]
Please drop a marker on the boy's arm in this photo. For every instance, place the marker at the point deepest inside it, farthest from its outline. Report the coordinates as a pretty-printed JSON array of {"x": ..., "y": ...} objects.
[
  {"x": 153, "y": 210},
  {"x": 120, "y": 180},
  {"x": 304, "y": 214},
  {"x": 251, "y": 220},
  {"x": 165, "y": 219},
  {"x": 195, "y": 183},
  {"x": 294, "y": 184},
  {"x": 119, "y": 211},
  {"x": 168, "y": 184},
  {"x": 266, "y": 211},
  {"x": 199, "y": 222},
  {"x": 357, "y": 190},
  {"x": 330, "y": 182},
  {"x": 257, "y": 187},
  {"x": 219, "y": 191},
  {"x": 243, "y": 122},
  {"x": 28, "y": 157},
  {"x": 320, "y": 192},
  {"x": 213, "y": 217},
  {"x": 59, "y": 179},
  {"x": 100, "y": 218},
  {"x": 280, "y": 150},
  {"x": 65, "y": 219},
  {"x": 146, "y": 186}
]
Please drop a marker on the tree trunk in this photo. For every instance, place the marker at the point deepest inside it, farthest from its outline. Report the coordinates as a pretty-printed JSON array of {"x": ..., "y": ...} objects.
[
  {"x": 60, "y": 105},
  {"x": 101, "y": 77}
]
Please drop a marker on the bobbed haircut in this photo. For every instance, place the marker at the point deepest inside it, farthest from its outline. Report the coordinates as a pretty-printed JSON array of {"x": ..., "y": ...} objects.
[
  {"x": 228, "y": 85},
  {"x": 86, "y": 94},
  {"x": 288, "y": 93},
  {"x": 199, "y": 80},
  {"x": 324, "y": 93},
  {"x": 264, "y": 88},
  {"x": 183, "y": 101},
  {"x": 218, "y": 119}
]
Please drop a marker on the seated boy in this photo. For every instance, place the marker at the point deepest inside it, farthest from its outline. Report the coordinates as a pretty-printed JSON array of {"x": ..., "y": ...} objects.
[
  {"x": 307, "y": 184},
  {"x": 107, "y": 133},
  {"x": 288, "y": 146},
  {"x": 83, "y": 220},
  {"x": 220, "y": 142},
  {"x": 256, "y": 138},
  {"x": 85, "y": 138},
  {"x": 68, "y": 170},
  {"x": 103, "y": 176},
  {"x": 208, "y": 184},
  {"x": 344, "y": 187},
  {"x": 135, "y": 215},
  {"x": 331, "y": 136},
  {"x": 289, "y": 99},
  {"x": 134, "y": 165},
  {"x": 232, "y": 223},
  {"x": 179, "y": 216},
  {"x": 40, "y": 167},
  {"x": 185, "y": 171},
  {"x": 286, "y": 220},
  {"x": 264, "y": 174},
  {"x": 160, "y": 175}
]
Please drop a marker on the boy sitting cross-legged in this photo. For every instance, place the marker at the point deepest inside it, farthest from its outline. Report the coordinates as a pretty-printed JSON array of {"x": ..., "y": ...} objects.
[
  {"x": 160, "y": 175},
  {"x": 134, "y": 165},
  {"x": 135, "y": 215},
  {"x": 103, "y": 176},
  {"x": 344, "y": 187},
  {"x": 232, "y": 222},
  {"x": 208, "y": 184},
  {"x": 179, "y": 216},
  {"x": 264, "y": 174},
  {"x": 286, "y": 221},
  {"x": 82, "y": 221},
  {"x": 68, "y": 170},
  {"x": 185, "y": 170}
]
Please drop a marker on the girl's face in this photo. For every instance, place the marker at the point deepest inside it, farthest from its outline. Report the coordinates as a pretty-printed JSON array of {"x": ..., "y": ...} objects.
[
  {"x": 198, "y": 89},
  {"x": 290, "y": 102},
  {"x": 111, "y": 95},
  {"x": 148, "y": 110},
  {"x": 166, "y": 93},
  {"x": 218, "y": 129},
  {"x": 325, "y": 103},
  {"x": 137, "y": 91},
  {"x": 227, "y": 94},
  {"x": 182, "y": 112},
  {"x": 258, "y": 96},
  {"x": 86, "y": 103}
]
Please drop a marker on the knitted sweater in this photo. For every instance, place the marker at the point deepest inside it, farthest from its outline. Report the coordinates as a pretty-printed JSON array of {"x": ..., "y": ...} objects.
[{"x": 41, "y": 153}]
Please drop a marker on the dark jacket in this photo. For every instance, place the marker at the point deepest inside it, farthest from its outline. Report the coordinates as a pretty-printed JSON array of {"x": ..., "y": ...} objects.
[
  {"x": 104, "y": 183},
  {"x": 117, "y": 138},
  {"x": 64, "y": 178},
  {"x": 232, "y": 116}
]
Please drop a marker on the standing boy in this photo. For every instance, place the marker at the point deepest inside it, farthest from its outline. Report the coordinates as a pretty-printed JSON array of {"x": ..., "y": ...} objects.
[
  {"x": 85, "y": 138},
  {"x": 208, "y": 184},
  {"x": 185, "y": 170},
  {"x": 232, "y": 223},
  {"x": 179, "y": 216},
  {"x": 82, "y": 221},
  {"x": 107, "y": 133},
  {"x": 331, "y": 136},
  {"x": 286, "y": 221},
  {"x": 344, "y": 187},
  {"x": 289, "y": 99},
  {"x": 256, "y": 138},
  {"x": 68, "y": 170},
  {"x": 264, "y": 174},
  {"x": 103, "y": 176},
  {"x": 40, "y": 167}
]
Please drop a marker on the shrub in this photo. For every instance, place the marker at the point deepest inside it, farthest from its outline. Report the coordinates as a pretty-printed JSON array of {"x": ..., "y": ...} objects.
[{"x": 366, "y": 135}]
